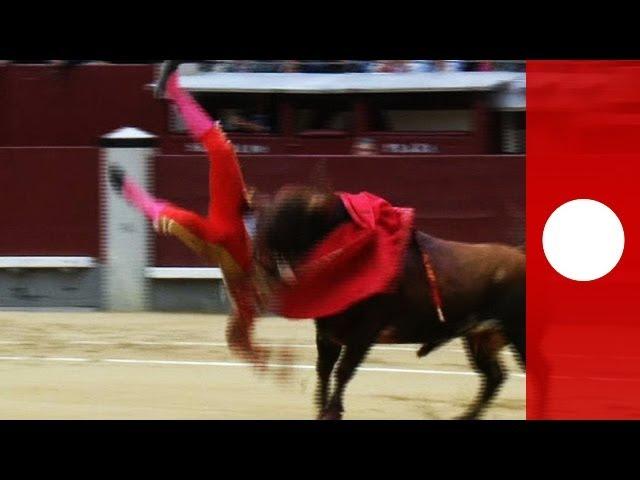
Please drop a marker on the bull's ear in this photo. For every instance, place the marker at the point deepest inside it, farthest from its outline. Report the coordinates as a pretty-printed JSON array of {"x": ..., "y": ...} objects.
[{"x": 320, "y": 178}]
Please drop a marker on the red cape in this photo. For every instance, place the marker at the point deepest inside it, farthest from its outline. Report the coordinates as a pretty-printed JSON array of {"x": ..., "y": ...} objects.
[{"x": 358, "y": 259}]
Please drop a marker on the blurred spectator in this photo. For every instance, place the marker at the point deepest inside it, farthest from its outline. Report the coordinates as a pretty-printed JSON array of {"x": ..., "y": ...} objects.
[
  {"x": 455, "y": 65},
  {"x": 364, "y": 147},
  {"x": 352, "y": 66},
  {"x": 290, "y": 66},
  {"x": 449, "y": 65},
  {"x": 211, "y": 66},
  {"x": 241, "y": 66},
  {"x": 267, "y": 66},
  {"x": 330, "y": 66},
  {"x": 391, "y": 66},
  {"x": 321, "y": 66},
  {"x": 507, "y": 66},
  {"x": 223, "y": 66},
  {"x": 310, "y": 67},
  {"x": 236, "y": 121},
  {"x": 484, "y": 66},
  {"x": 379, "y": 66},
  {"x": 370, "y": 67},
  {"x": 421, "y": 66},
  {"x": 335, "y": 66}
]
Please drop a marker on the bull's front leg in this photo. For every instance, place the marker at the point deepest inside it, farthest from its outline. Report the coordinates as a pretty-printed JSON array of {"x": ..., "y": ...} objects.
[
  {"x": 483, "y": 349},
  {"x": 362, "y": 335},
  {"x": 328, "y": 354},
  {"x": 353, "y": 356}
]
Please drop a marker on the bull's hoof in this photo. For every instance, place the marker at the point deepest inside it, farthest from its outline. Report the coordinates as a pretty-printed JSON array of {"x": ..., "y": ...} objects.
[
  {"x": 429, "y": 347},
  {"x": 468, "y": 416},
  {"x": 424, "y": 350},
  {"x": 331, "y": 414}
]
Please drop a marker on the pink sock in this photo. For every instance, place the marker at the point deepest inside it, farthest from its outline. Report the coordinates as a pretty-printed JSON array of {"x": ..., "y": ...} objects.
[
  {"x": 194, "y": 115},
  {"x": 140, "y": 199}
]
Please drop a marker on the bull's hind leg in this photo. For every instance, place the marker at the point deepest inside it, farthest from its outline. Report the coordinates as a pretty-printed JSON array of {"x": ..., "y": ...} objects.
[
  {"x": 328, "y": 354},
  {"x": 483, "y": 350},
  {"x": 512, "y": 313},
  {"x": 516, "y": 333}
]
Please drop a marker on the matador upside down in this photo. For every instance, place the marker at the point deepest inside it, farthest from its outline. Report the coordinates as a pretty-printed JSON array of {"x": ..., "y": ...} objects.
[{"x": 221, "y": 237}]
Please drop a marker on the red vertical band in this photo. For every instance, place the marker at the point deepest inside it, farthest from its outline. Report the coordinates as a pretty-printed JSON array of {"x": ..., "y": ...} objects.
[{"x": 583, "y": 338}]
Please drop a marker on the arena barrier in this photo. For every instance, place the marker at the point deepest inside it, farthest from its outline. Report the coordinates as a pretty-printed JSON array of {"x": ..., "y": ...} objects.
[{"x": 68, "y": 242}]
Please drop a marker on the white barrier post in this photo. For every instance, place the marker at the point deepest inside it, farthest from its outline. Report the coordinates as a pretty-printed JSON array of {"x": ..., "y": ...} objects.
[{"x": 125, "y": 235}]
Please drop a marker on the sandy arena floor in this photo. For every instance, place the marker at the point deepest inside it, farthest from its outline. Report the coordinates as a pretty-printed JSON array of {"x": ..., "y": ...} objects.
[{"x": 176, "y": 366}]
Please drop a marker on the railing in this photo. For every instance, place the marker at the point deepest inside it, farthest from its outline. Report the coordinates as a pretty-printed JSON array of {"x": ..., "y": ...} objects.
[{"x": 46, "y": 262}]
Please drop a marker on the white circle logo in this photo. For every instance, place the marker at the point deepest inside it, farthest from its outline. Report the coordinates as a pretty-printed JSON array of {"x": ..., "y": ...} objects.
[{"x": 583, "y": 240}]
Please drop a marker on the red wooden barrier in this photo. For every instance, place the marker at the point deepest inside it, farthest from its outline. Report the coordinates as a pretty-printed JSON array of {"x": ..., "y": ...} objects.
[
  {"x": 471, "y": 198},
  {"x": 49, "y": 201},
  {"x": 53, "y": 106}
]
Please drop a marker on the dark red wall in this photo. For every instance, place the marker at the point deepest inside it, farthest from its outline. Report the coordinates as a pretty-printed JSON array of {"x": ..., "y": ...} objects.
[
  {"x": 50, "y": 196},
  {"x": 45, "y": 105},
  {"x": 51, "y": 119},
  {"x": 471, "y": 198},
  {"x": 55, "y": 106},
  {"x": 49, "y": 201}
]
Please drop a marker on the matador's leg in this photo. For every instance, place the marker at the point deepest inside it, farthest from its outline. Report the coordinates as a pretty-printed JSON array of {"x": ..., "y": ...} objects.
[
  {"x": 167, "y": 219},
  {"x": 227, "y": 191}
]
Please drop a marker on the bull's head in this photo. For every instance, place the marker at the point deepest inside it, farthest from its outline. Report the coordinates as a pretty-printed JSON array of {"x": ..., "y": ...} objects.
[{"x": 296, "y": 220}]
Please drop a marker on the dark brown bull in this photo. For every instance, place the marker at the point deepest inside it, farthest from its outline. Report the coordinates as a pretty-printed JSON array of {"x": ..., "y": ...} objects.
[{"x": 482, "y": 288}]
